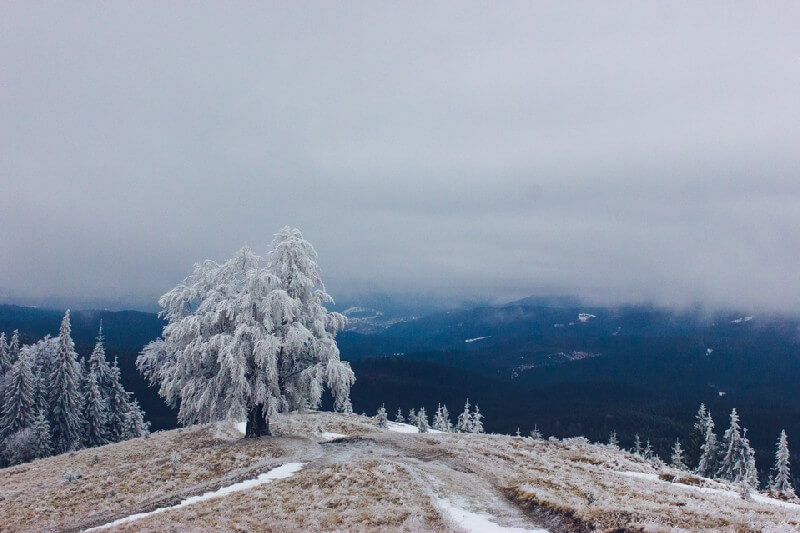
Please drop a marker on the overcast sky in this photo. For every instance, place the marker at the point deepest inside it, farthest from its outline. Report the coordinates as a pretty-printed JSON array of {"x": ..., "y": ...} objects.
[{"x": 621, "y": 152}]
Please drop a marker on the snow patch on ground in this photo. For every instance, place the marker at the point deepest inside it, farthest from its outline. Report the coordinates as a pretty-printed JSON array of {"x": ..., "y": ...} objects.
[
  {"x": 242, "y": 427},
  {"x": 478, "y": 523},
  {"x": 399, "y": 427},
  {"x": 327, "y": 435},
  {"x": 281, "y": 472},
  {"x": 477, "y": 339}
]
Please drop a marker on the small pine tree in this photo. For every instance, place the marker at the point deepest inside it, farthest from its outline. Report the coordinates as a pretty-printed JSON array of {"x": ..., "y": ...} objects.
[
  {"x": 709, "y": 457},
  {"x": 637, "y": 445},
  {"x": 422, "y": 420},
  {"x": 648, "y": 453},
  {"x": 381, "y": 419},
  {"x": 5, "y": 358},
  {"x": 612, "y": 440},
  {"x": 41, "y": 430},
  {"x": 18, "y": 405},
  {"x": 476, "y": 421},
  {"x": 464, "y": 422},
  {"x": 135, "y": 425},
  {"x": 412, "y": 417},
  {"x": 677, "y": 456},
  {"x": 750, "y": 471},
  {"x": 781, "y": 482},
  {"x": 347, "y": 407},
  {"x": 65, "y": 400},
  {"x": 399, "y": 416},
  {"x": 446, "y": 416},
  {"x": 535, "y": 433},
  {"x": 95, "y": 413},
  {"x": 439, "y": 421}
]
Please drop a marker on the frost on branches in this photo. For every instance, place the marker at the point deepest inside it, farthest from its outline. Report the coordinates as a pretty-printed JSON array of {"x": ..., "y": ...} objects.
[{"x": 249, "y": 337}]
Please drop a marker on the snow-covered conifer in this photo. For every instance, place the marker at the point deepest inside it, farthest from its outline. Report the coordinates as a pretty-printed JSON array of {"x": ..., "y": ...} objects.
[
  {"x": 709, "y": 457},
  {"x": 347, "y": 408},
  {"x": 245, "y": 339},
  {"x": 750, "y": 471},
  {"x": 677, "y": 456},
  {"x": 14, "y": 347},
  {"x": 612, "y": 440},
  {"x": 464, "y": 422},
  {"x": 698, "y": 435},
  {"x": 637, "y": 445},
  {"x": 476, "y": 421},
  {"x": 41, "y": 431},
  {"x": 440, "y": 423},
  {"x": 381, "y": 419},
  {"x": 422, "y": 420},
  {"x": 5, "y": 357},
  {"x": 648, "y": 453},
  {"x": 738, "y": 461},
  {"x": 535, "y": 433},
  {"x": 65, "y": 400},
  {"x": 446, "y": 417},
  {"x": 134, "y": 424},
  {"x": 18, "y": 403},
  {"x": 399, "y": 416},
  {"x": 781, "y": 482},
  {"x": 95, "y": 413},
  {"x": 412, "y": 417}
]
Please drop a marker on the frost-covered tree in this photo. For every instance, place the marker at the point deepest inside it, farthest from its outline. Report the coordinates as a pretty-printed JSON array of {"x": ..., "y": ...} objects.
[
  {"x": 709, "y": 457},
  {"x": 247, "y": 338},
  {"x": 637, "y": 445},
  {"x": 440, "y": 423},
  {"x": 738, "y": 460},
  {"x": 95, "y": 413},
  {"x": 65, "y": 399},
  {"x": 381, "y": 419},
  {"x": 41, "y": 432},
  {"x": 422, "y": 420},
  {"x": 698, "y": 435},
  {"x": 14, "y": 347},
  {"x": 347, "y": 408},
  {"x": 476, "y": 421},
  {"x": 535, "y": 433},
  {"x": 464, "y": 421},
  {"x": 399, "y": 416},
  {"x": 612, "y": 440},
  {"x": 677, "y": 456},
  {"x": 648, "y": 453},
  {"x": 134, "y": 424},
  {"x": 18, "y": 403},
  {"x": 412, "y": 417},
  {"x": 446, "y": 416},
  {"x": 5, "y": 357},
  {"x": 781, "y": 482},
  {"x": 19, "y": 447}
]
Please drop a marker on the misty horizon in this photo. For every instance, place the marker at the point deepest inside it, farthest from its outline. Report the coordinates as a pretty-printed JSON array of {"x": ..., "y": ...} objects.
[{"x": 618, "y": 153}]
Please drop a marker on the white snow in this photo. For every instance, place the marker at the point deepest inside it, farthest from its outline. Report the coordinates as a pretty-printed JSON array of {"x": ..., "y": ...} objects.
[
  {"x": 327, "y": 435},
  {"x": 742, "y": 319},
  {"x": 640, "y": 475},
  {"x": 280, "y": 472},
  {"x": 399, "y": 427},
  {"x": 584, "y": 317},
  {"x": 242, "y": 427},
  {"x": 477, "y": 339},
  {"x": 478, "y": 523}
]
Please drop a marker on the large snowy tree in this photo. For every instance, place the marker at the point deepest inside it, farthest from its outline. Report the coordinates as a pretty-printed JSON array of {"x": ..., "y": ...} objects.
[
  {"x": 249, "y": 337},
  {"x": 5, "y": 357},
  {"x": 709, "y": 457},
  {"x": 65, "y": 397},
  {"x": 18, "y": 404},
  {"x": 781, "y": 481}
]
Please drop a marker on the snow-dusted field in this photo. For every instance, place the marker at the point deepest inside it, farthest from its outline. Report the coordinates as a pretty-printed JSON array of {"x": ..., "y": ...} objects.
[{"x": 356, "y": 477}]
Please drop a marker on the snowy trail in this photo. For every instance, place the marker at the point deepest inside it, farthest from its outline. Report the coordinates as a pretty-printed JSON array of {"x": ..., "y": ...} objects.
[
  {"x": 478, "y": 522},
  {"x": 280, "y": 472}
]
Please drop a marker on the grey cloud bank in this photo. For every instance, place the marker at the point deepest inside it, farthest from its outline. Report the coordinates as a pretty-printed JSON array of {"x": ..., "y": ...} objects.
[{"x": 622, "y": 152}]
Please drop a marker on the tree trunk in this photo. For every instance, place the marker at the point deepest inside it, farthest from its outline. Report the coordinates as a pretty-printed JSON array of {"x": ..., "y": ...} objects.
[{"x": 257, "y": 423}]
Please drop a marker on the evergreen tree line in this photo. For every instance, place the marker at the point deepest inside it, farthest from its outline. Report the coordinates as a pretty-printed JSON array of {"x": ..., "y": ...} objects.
[
  {"x": 730, "y": 459},
  {"x": 467, "y": 422},
  {"x": 53, "y": 403}
]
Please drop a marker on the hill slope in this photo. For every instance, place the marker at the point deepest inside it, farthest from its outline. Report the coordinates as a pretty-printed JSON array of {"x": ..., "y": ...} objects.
[{"x": 338, "y": 472}]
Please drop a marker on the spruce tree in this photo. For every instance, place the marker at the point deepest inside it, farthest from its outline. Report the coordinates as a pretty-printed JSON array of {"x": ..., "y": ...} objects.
[
  {"x": 347, "y": 407},
  {"x": 464, "y": 422},
  {"x": 476, "y": 421},
  {"x": 381, "y": 419},
  {"x": 446, "y": 416},
  {"x": 439, "y": 422},
  {"x": 647, "y": 453},
  {"x": 709, "y": 458},
  {"x": 399, "y": 416},
  {"x": 14, "y": 347},
  {"x": 698, "y": 436},
  {"x": 117, "y": 406},
  {"x": 612, "y": 440},
  {"x": 412, "y": 417},
  {"x": 738, "y": 459},
  {"x": 135, "y": 425},
  {"x": 677, "y": 456},
  {"x": 637, "y": 445},
  {"x": 750, "y": 471},
  {"x": 781, "y": 482},
  {"x": 65, "y": 400},
  {"x": 5, "y": 357},
  {"x": 95, "y": 413},
  {"x": 41, "y": 431},
  {"x": 18, "y": 406},
  {"x": 422, "y": 420}
]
